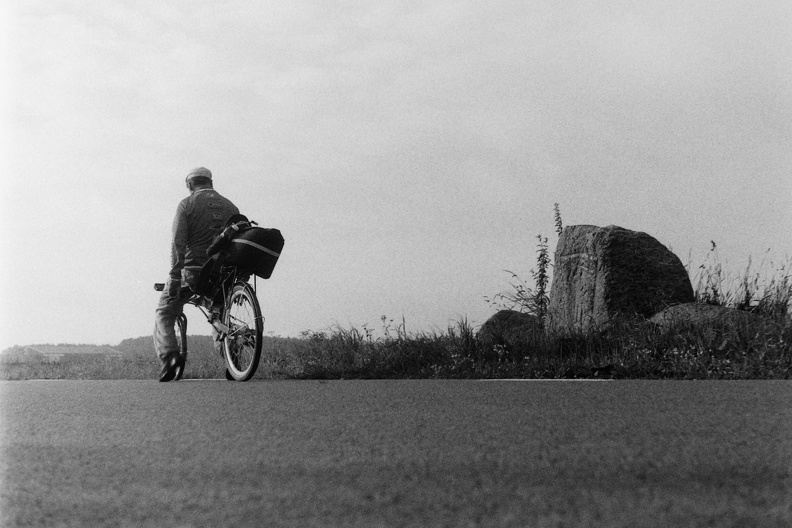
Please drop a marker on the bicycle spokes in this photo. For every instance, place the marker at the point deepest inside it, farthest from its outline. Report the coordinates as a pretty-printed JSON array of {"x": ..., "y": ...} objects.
[{"x": 242, "y": 342}]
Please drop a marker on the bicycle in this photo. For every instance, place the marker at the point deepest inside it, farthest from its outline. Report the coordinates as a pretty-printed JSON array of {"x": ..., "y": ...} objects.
[{"x": 226, "y": 298}]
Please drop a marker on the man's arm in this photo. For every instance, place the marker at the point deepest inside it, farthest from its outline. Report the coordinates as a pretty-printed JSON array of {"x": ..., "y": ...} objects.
[{"x": 179, "y": 243}]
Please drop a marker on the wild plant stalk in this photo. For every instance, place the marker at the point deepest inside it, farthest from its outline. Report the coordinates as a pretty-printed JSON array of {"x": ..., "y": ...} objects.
[
  {"x": 520, "y": 297},
  {"x": 541, "y": 277},
  {"x": 749, "y": 284},
  {"x": 557, "y": 215},
  {"x": 710, "y": 284},
  {"x": 387, "y": 328}
]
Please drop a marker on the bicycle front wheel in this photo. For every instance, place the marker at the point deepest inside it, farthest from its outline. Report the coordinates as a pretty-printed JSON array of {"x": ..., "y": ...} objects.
[
  {"x": 242, "y": 344},
  {"x": 181, "y": 339}
]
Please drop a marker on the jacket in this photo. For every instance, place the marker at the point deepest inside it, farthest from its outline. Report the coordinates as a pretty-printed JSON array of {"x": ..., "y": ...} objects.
[{"x": 199, "y": 218}]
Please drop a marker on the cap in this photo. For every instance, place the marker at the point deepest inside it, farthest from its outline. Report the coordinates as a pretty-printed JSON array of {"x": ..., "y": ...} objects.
[{"x": 200, "y": 172}]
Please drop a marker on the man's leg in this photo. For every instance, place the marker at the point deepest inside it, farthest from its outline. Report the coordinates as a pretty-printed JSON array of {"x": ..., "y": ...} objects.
[{"x": 165, "y": 343}]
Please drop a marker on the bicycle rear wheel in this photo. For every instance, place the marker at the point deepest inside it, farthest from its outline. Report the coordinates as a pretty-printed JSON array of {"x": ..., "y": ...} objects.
[{"x": 242, "y": 344}]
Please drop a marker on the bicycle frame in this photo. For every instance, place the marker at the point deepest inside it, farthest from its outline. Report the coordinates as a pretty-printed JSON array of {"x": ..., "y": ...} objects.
[{"x": 219, "y": 290}]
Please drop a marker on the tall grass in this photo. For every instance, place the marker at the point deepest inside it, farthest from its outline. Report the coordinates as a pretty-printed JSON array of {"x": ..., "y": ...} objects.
[
  {"x": 764, "y": 290},
  {"x": 761, "y": 349}
]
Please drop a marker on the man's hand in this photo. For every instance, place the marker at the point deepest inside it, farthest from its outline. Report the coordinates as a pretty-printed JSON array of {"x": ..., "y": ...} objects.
[{"x": 174, "y": 285}]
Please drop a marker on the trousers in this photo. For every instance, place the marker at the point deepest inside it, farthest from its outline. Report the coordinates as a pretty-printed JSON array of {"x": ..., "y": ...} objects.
[{"x": 168, "y": 309}]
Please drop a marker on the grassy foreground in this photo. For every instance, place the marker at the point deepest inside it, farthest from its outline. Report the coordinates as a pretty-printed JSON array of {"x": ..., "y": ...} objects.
[{"x": 758, "y": 350}]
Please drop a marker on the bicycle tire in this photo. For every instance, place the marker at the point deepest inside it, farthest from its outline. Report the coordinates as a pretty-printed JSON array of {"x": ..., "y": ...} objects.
[
  {"x": 242, "y": 344},
  {"x": 181, "y": 338}
]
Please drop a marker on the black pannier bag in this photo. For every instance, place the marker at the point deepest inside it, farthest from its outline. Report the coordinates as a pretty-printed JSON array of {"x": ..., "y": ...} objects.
[{"x": 255, "y": 250}]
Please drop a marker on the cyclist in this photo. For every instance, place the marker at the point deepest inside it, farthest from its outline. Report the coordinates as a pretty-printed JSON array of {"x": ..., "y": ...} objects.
[{"x": 199, "y": 218}]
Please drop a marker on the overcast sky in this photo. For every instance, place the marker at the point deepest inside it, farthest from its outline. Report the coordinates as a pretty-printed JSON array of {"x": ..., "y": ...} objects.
[{"x": 408, "y": 151}]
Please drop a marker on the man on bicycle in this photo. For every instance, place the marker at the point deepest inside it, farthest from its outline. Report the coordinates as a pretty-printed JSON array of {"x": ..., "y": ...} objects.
[{"x": 199, "y": 218}]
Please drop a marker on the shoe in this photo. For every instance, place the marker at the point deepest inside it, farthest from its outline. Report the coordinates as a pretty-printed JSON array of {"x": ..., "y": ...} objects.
[{"x": 172, "y": 369}]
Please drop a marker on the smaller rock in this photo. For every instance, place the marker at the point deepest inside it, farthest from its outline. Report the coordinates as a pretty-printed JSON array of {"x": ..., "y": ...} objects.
[{"x": 510, "y": 329}]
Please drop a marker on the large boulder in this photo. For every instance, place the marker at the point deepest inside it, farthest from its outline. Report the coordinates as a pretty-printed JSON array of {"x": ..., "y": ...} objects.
[
  {"x": 605, "y": 273},
  {"x": 510, "y": 329}
]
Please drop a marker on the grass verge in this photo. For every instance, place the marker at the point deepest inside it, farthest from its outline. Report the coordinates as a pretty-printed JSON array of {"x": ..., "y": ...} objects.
[{"x": 759, "y": 349}]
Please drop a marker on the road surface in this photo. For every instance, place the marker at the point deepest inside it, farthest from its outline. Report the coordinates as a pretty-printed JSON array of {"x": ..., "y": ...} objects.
[{"x": 395, "y": 453}]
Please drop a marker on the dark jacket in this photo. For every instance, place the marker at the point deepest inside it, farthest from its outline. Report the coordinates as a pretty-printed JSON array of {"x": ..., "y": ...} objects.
[{"x": 199, "y": 218}]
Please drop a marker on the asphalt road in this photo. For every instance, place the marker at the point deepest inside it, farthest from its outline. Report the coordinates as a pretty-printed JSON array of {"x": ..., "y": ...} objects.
[{"x": 395, "y": 453}]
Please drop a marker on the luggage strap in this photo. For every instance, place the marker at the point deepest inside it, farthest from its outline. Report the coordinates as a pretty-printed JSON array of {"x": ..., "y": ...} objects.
[
  {"x": 257, "y": 246},
  {"x": 223, "y": 240}
]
